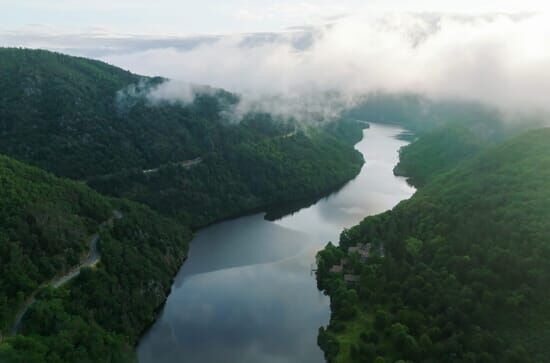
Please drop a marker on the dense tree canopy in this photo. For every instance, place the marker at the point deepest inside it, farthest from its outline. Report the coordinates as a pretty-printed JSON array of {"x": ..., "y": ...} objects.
[
  {"x": 438, "y": 150},
  {"x": 45, "y": 224},
  {"x": 457, "y": 273},
  {"x": 89, "y": 121},
  {"x": 79, "y": 118},
  {"x": 248, "y": 176},
  {"x": 45, "y": 228}
]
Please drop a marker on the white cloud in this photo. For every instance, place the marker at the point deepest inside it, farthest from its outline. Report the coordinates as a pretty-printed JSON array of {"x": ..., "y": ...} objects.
[
  {"x": 501, "y": 59},
  {"x": 498, "y": 59}
]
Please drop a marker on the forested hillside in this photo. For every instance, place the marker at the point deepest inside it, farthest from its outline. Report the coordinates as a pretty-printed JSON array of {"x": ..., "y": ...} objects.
[
  {"x": 438, "y": 150},
  {"x": 45, "y": 227},
  {"x": 89, "y": 121},
  {"x": 444, "y": 131},
  {"x": 419, "y": 113},
  {"x": 78, "y": 117},
  {"x": 457, "y": 273},
  {"x": 248, "y": 176}
]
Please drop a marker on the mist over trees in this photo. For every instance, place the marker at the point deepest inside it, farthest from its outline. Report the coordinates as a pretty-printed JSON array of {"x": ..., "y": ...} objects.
[{"x": 98, "y": 124}]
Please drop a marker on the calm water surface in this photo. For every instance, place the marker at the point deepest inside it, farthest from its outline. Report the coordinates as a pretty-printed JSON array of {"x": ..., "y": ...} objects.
[{"x": 246, "y": 293}]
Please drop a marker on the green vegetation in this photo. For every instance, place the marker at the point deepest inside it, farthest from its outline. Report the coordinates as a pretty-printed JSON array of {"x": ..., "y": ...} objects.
[
  {"x": 45, "y": 226},
  {"x": 455, "y": 274},
  {"x": 79, "y": 118},
  {"x": 90, "y": 121},
  {"x": 436, "y": 151},
  {"x": 419, "y": 113},
  {"x": 249, "y": 176}
]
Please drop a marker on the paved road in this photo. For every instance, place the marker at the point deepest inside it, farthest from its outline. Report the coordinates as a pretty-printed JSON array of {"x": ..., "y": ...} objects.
[
  {"x": 93, "y": 258},
  {"x": 185, "y": 164}
]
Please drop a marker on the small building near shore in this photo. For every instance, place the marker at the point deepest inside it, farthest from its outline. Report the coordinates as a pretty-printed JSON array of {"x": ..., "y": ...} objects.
[
  {"x": 363, "y": 249},
  {"x": 348, "y": 278}
]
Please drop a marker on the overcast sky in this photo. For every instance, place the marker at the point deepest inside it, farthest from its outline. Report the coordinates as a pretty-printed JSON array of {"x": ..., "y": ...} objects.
[
  {"x": 493, "y": 51},
  {"x": 191, "y": 17}
]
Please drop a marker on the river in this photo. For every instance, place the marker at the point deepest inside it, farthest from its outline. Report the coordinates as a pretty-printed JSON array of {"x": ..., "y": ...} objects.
[{"x": 246, "y": 293}]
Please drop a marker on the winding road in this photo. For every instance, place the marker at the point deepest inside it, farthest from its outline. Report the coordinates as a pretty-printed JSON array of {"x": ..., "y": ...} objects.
[
  {"x": 93, "y": 258},
  {"x": 186, "y": 164}
]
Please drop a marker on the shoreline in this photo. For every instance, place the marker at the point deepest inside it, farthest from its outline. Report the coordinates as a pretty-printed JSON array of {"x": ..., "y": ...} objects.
[{"x": 268, "y": 209}]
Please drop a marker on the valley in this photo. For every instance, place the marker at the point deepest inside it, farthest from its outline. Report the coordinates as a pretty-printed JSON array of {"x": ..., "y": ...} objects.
[
  {"x": 251, "y": 278},
  {"x": 141, "y": 226}
]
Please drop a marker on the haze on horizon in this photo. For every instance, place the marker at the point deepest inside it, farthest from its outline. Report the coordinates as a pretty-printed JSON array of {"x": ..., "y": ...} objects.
[{"x": 494, "y": 52}]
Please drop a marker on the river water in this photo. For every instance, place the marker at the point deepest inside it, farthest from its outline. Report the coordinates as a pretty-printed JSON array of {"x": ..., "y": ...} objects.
[{"x": 246, "y": 293}]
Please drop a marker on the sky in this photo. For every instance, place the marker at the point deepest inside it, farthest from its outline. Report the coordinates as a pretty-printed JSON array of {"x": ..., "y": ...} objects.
[
  {"x": 495, "y": 52},
  {"x": 185, "y": 17}
]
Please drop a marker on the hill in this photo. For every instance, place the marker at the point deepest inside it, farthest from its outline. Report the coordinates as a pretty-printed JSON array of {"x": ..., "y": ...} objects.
[
  {"x": 457, "y": 273},
  {"x": 419, "y": 113},
  {"x": 438, "y": 150},
  {"x": 46, "y": 224},
  {"x": 249, "y": 176},
  {"x": 65, "y": 115},
  {"x": 79, "y": 283},
  {"x": 90, "y": 121}
]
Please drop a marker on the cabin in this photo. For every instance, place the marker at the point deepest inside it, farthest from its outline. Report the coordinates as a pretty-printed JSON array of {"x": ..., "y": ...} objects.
[
  {"x": 363, "y": 249},
  {"x": 348, "y": 278},
  {"x": 339, "y": 268}
]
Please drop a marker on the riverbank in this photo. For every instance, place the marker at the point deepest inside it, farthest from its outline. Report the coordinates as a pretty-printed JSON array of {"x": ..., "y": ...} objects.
[
  {"x": 442, "y": 278},
  {"x": 271, "y": 211},
  {"x": 122, "y": 297},
  {"x": 250, "y": 272}
]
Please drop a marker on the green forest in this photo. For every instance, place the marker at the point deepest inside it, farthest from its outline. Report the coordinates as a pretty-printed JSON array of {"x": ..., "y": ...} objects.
[
  {"x": 438, "y": 150},
  {"x": 45, "y": 226},
  {"x": 249, "y": 176},
  {"x": 455, "y": 274},
  {"x": 420, "y": 114},
  {"x": 165, "y": 167},
  {"x": 79, "y": 118},
  {"x": 66, "y": 115}
]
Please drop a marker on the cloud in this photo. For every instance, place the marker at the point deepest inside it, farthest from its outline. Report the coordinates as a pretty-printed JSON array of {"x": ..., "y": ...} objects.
[
  {"x": 299, "y": 11},
  {"x": 498, "y": 59},
  {"x": 97, "y": 42}
]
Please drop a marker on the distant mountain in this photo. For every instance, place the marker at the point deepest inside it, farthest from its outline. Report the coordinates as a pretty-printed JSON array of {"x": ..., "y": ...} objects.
[
  {"x": 419, "y": 113},
  {"x": 456, "y": 273},
  {"x": 97, "y": 45}
]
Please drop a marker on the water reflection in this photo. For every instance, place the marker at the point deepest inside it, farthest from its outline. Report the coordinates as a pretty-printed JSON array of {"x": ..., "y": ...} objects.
[
  {"x": 373, "y": 191},
  {"x": 246, "y": 293},
  {"x": 244, "y": 241}
]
